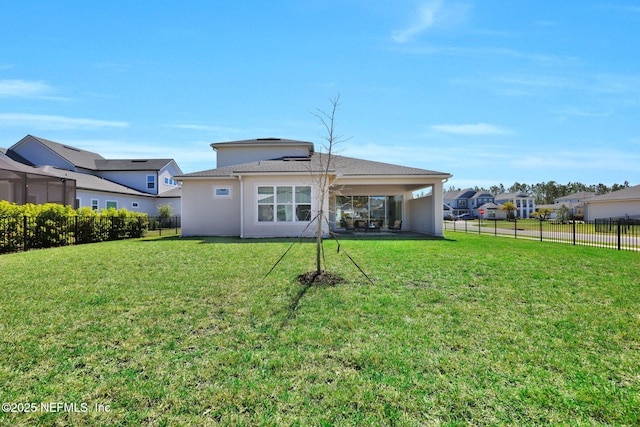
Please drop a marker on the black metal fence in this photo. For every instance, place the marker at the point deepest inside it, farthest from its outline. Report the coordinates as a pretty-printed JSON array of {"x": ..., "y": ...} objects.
[
  {"x": 26, "y": 232},
  {"x": 614, "y": 233}
]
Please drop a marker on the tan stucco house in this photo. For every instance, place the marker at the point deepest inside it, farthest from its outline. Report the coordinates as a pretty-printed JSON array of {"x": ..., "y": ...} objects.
[
  {"x": 623, "y": 203},
  {"x": 269, "y": 188}
]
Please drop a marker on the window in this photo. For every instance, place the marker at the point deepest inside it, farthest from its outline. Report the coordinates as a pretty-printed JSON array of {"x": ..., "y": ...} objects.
[
  {"x": 284, "y": 203},
  {"x": 94, "y": 204},
  {"x": 151, "y": 182},
  {"x": 221, "y": 192},
  {"x": 111, "y": 204}
]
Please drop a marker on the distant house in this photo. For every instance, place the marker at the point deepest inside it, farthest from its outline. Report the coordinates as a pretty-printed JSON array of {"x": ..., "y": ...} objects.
[
  {"x": 492, "y": 211},
  {"x": 269, "y": 188},
  {"x": 524, "y": 203},
  {"x": 468, "y": 201},
  {"x": 135, "y": 184},
  {"x": 459, "y": 200},
  {"x": 574, "y": 202},
  {"x": 623, "y": 203}
]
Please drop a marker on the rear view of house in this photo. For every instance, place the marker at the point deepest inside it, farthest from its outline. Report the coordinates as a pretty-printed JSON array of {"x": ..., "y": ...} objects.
[{"x": 269, "y": 188}]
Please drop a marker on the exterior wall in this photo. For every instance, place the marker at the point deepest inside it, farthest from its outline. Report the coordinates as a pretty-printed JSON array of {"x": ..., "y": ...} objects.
[
  {"x": 145, "y": 205},
  {"x": 132, "y": 179},
  {"x": 613, "y": 209},
  {"x": 418, "y": 218},
  {"x": 205, "y": 215},
  {"x": 226, "y": 156},
  {"x": 40, "y": 155},
  {"x": 253, "y": 228},
  {"x": 166, "y": 172}
]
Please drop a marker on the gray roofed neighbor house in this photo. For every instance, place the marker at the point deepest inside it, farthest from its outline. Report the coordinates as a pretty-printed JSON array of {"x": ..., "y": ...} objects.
[
  {"x": 78, "y": 157},
  {"x": 91, "y": 182},
  {"x": 340, "y": 165},
  {"x": 631, "y": 193},
  {"x": 581, "y": 195}
]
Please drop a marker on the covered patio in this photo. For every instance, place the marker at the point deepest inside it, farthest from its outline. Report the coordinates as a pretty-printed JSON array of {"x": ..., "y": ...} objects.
[{"x": 400, "y": 204}]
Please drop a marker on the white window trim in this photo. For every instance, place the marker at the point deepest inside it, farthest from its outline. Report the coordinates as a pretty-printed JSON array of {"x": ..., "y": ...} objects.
[
  {"x": 147, "y": 182},
  {"x": 95, "y": 203},
  {"x": 222, "y": 196},
  {"x": 106, "y": 203},
  {"x": 275, "y": 204}
]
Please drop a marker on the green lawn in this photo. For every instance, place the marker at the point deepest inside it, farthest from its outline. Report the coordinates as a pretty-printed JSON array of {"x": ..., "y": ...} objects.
[{"x": 470, "y": 331}]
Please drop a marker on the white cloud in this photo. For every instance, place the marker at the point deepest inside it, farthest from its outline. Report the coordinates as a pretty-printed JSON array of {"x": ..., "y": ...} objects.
[
  {"x": 435, "y": 13},
  {"x": 50, "y": 122},
  {"x": 23, "y": 89},
  {"x": 471, "y": 129},
  {"x": 424, "y": 20}
]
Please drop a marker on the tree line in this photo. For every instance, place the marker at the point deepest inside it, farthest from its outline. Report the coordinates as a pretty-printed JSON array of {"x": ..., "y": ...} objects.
[{"x": 546, "y": 192}]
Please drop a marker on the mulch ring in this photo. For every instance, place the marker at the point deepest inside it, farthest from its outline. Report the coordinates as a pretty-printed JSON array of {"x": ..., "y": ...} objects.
[{"x": 324, "y": 278}]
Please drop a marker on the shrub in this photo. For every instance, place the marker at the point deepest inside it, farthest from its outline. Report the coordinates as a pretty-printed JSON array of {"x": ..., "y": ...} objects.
[{"x": 49, "y": 225}]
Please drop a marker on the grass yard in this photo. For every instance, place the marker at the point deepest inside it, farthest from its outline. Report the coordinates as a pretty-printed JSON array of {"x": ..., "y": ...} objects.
[{"x": 470, "y": 331}]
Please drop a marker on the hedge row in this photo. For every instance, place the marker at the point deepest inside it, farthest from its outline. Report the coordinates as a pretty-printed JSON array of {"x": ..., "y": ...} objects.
[{"x": 31, "y": 226}]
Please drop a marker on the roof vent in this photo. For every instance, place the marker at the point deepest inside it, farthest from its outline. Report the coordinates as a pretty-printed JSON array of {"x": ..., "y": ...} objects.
[
  {"x": 71, "y": 148},
  {"x": 269, "y": 139},
  {"x": 297, "y": 159},
  {"x": 139, "y": 161}
]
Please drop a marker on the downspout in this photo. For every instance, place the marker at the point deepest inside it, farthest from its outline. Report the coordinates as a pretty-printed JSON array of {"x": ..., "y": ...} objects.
[{"x": 241, "y": 207}]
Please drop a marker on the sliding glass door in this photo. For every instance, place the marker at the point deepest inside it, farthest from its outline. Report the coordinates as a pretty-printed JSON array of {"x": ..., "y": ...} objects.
[{"x": 381, "y": 210}]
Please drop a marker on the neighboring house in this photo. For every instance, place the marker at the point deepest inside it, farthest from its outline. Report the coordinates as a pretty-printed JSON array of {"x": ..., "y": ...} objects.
[
  {"x": 467, "y": 201},
  {"x": 524, "y": 203},
  {"x": 480, "y": 200},
  {"x": 623, "y": 203},
  {"x": 22, "y": 184},
  {"x": 575, "y": 202},
  {"x": 135, "y": 184},
  {"x": 492, "y": 211},
  {"x": 459, "y": 201},
  {"x": 269, "y": 188}
]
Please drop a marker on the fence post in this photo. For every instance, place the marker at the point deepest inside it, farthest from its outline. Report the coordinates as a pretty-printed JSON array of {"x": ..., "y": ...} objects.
[
  {"x": 515, "y": 227},
  {"x": 541, "y": 230},
  {"x": 619, "y": 223},
  {"x": 574, "y": 232}
]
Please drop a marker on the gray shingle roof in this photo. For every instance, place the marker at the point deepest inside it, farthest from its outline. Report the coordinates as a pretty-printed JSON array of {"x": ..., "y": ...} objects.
[
  {"x": 131, "y": 164},
  {"x": 94, "y": 161},
  {"x": 340, "y": 165},
  {"x": 86, "y": 181},
  {"x": 581, "y": 195},
  {"x": 77, "y": 156},
  {"x": 631, "y": 193}
]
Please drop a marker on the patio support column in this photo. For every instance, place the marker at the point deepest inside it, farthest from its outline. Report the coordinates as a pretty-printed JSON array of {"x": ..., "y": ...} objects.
[
  {"x": 241, "y": 207},
  {"x": 437, "y": 213}
]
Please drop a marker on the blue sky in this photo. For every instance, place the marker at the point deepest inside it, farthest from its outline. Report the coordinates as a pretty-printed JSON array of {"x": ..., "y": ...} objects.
[{"x": 491, "y": 91}]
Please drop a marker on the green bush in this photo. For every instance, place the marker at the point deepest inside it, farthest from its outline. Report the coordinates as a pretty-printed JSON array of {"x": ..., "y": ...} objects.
[{"x": 49, "y": 225}]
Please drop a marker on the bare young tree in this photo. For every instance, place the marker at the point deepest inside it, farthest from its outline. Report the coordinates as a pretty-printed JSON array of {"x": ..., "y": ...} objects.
[{"x": 324, "y": 181}]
